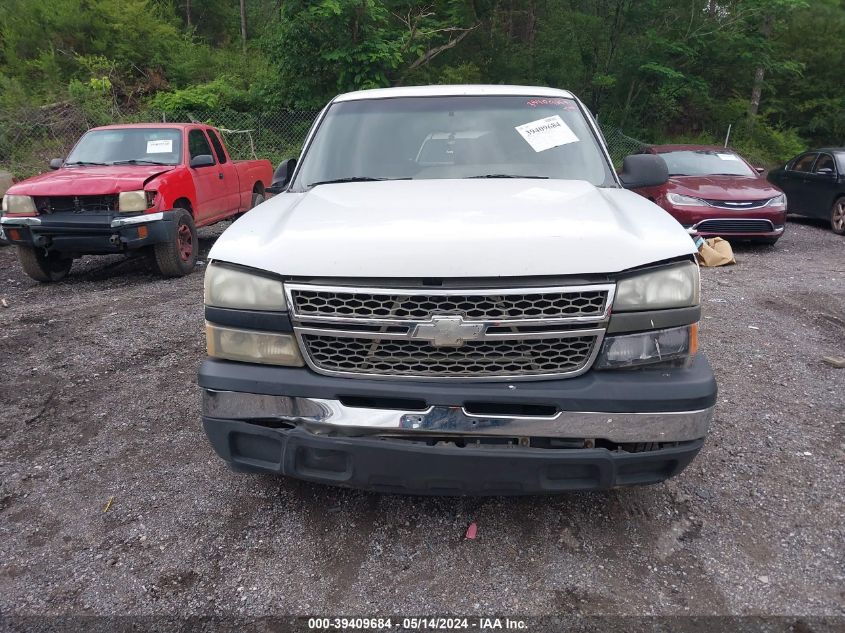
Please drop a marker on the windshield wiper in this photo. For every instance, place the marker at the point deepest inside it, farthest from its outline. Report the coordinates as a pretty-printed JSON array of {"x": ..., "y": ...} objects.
[
  {"x": 508, "y": 176},
  {"x": 352, "y": 179},
  {"x": 85, "y": 162},
  {"x": 135, "y": 161}
]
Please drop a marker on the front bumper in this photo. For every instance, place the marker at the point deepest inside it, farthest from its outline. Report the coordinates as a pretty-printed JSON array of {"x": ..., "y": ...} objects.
[
  {"x": 418, "y": 467},
  {"x": 90, "y": 234},
  {"x": 598, "y": 430}
]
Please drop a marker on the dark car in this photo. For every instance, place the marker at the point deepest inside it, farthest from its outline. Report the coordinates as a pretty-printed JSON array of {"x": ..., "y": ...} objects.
[
  {"x": 713, "y": 191},
  {"x": 814, "y": 183}
]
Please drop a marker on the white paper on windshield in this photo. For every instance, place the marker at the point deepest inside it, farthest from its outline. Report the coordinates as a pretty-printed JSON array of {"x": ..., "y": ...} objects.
[
  {"x": 163, "y": 146},
  {"x": 546, "y": 133},
  {"x": 727, "y": 156}
]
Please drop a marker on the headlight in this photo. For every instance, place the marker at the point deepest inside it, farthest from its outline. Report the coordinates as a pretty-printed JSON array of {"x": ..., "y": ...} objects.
[
  {"x": 685, "y": 201},
  {"x": 777, "y": 201},
  {"x": 232, "y": 288},
  {"x": 674, "y": 286},
  {"x": 18, "y": 204},
  {"x": 132, "y": 201},
  {"x": 658, "y": 346},
  {"x": 252, "y": 347}
]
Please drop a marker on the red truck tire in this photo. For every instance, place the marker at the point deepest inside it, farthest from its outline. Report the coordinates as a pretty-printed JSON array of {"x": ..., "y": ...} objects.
[{"x": 177, "y": 256}]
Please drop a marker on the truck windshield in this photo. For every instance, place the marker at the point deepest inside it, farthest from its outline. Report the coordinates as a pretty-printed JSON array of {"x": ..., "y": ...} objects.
[
  {"x": 128, "y": 146},
  {"x": 454, "y": 137},
  {"x": 705, "y": 163}
]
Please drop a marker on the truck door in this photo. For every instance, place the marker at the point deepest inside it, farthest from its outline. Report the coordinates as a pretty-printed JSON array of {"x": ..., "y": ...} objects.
[
  {"x": 208, "y": 181},
  {"x": 230, "y": 175}
]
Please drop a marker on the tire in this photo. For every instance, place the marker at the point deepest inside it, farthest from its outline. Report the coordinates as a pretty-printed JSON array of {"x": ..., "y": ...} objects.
[
  {"x": 177, "y": 256},
  {"x": 837, "y": 216},
  {"x": 768, "y": 240},
  {"x": 43, "y": 267},
  {"x": 257, "y": 198}
]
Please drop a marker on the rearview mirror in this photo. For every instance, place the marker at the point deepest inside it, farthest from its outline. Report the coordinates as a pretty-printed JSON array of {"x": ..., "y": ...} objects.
[
  {"x": 643, "y": 170},
  {"x": 202, "y": 160},
  {"x": 282, "y": 176},
  {"x": 56, "y": 163}
]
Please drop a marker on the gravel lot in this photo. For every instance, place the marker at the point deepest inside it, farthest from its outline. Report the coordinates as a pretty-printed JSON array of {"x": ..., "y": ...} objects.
[{"x": 98, "y": 401}]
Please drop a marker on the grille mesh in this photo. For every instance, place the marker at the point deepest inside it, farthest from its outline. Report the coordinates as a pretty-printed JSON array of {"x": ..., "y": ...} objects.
[
  {"x": 735, "y": 226},
  {"x": 76, "y": 204},
  {"x": 589, "y": 303},
  {"x": 472, "y": 360}
]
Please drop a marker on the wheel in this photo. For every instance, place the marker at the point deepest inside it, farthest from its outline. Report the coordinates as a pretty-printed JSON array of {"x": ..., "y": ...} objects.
[
  {"x": 257, "y": 198},
  {"x": 48, "y": 267},
  {"x": 837, "y": 216},
  {"x": 177, "y": 256},
  {"x": 768, "y": 240}
]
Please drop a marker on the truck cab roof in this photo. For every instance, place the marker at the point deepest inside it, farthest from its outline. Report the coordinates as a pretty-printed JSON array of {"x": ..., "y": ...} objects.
[{"x": 461, "y": 90}]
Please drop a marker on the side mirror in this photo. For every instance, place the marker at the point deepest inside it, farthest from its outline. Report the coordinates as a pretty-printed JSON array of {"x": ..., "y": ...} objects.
[
  {"x": 202, "y": 160},
  {"x": 282, "y": 176},
  {"x": 56, "y": 163},
  {"x": 760, "y": 170},
  {"x": 643, "y": 170}
]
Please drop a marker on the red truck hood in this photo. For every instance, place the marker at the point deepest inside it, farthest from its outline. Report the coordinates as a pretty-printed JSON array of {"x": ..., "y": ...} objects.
[
  {"x": 81, "y": 181},
  {"x": 722, "y": 187}
]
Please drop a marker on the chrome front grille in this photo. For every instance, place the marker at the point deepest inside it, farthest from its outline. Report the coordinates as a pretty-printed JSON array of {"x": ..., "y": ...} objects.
[
  {"x": 437, "y": 333},
  {"x": 739, "y": 205},
  {"x": 507, "y": 305},
  {"x": 498, "y": 358}
]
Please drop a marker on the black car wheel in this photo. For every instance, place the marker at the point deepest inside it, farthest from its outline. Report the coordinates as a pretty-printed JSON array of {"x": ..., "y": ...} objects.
[
  {"x": 837, "y": 216},
  {"x": 44, "y": 267}
]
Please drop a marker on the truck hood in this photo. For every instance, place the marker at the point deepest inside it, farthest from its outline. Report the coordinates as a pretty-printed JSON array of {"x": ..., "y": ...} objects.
[
  {"x": 83, "y": 181},
  {"x": 453, "y": 228},
  {"x": 722, "y": 187}
]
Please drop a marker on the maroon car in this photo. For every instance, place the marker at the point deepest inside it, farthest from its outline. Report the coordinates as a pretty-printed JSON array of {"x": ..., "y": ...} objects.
[{"x": 713, "y": 191}]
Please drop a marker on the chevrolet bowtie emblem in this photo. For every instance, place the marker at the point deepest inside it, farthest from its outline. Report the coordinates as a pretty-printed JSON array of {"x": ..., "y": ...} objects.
[{"x": 448, "y": 331}]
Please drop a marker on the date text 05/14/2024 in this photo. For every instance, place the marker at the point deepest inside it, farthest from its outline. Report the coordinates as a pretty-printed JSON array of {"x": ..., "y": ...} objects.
[{"x": 417, "y": 624}]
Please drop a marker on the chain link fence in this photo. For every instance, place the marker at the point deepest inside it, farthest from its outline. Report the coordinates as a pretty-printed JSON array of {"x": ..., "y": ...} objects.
[{"x": 29, "y": 142}]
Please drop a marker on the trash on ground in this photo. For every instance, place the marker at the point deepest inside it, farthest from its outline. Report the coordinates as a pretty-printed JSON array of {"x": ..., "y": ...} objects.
[
  {"x": 108, "y": 504},
  {"x": 472, "y": 530},
  {"x": 835, "y": 361},
  {"x": 4, "y": 303},
  {"x": 714, "y": 252}
]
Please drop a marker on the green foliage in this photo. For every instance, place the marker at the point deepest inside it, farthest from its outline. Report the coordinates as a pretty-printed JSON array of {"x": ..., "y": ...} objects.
[
  {"x": 658, "y": 69},
  {"x": 222, "y": 92}
]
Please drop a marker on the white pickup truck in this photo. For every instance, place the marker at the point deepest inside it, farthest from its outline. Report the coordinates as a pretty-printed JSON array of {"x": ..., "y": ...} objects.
[{"x": 454, "y": 293}]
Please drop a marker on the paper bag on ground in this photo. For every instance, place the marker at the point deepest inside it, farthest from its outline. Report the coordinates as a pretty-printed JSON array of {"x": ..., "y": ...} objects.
[{"x": 716, "y": 252}]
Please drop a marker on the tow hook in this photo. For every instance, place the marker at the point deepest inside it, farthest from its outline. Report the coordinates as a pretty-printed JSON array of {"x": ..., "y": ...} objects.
[
  {"x": 41, "y": 241},
  {"x": 114, "y": 240}
]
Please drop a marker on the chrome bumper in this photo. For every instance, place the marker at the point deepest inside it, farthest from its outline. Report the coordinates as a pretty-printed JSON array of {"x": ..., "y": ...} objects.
[
  {"x": 323, "y": 416},
  {"x": 116, "y": 223}
]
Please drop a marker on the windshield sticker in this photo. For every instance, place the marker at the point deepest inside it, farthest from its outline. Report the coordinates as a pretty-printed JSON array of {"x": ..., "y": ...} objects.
[
  {"x": 568, "y": 104},
  {"x": 727, "y": 156},
  {"x": 164, "y": 146},
  {"x": 546, "y": 133}
]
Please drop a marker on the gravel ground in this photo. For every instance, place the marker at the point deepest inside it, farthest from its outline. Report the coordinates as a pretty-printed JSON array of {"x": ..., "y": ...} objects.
[{"x": 98, "y": 401}]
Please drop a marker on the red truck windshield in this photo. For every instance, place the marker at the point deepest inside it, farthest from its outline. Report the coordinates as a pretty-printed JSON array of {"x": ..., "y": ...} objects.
[{"x": 128, "y": 146}]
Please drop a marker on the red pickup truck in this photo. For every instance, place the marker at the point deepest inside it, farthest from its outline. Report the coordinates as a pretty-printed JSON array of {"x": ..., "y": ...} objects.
[{"x": 129, "y": 187}]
